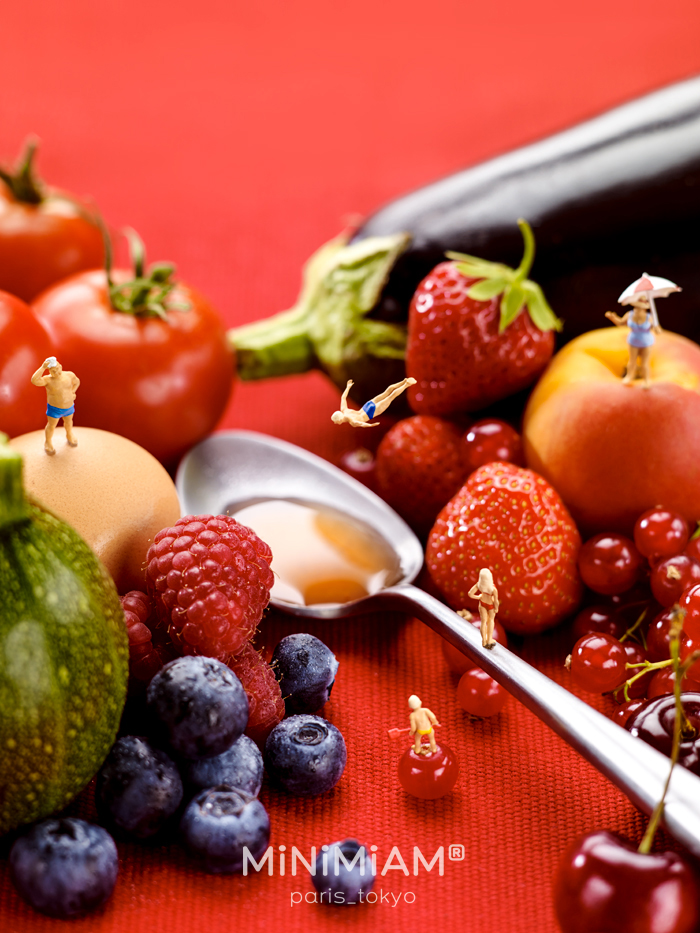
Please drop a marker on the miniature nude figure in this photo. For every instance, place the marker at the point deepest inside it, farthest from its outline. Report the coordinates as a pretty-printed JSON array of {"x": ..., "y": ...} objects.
[
  {"x": 640, "y": 338},
  {"x": 60, "y": 400},
  {"x": 375, "y": 406},
  {"x": 485, "y": 591},
  {"x": 422, "y": 721}
]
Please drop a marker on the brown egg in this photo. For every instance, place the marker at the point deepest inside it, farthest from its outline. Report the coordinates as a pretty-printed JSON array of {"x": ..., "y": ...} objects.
[{"x": 113, "y": 492}]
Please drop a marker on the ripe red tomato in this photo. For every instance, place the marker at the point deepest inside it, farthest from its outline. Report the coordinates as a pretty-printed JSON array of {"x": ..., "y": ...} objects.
[
  {"x": 45, "y": 235},
  {"x": 162, "y": 383},
  {"x": 24, "y": 344}
]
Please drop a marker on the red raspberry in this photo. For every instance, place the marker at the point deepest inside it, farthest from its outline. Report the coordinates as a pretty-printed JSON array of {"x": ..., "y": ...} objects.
[
  {"x": 266, "y": 706},
  {"x": 145, "y": 658},
  {"x": 210, "y": 577}
]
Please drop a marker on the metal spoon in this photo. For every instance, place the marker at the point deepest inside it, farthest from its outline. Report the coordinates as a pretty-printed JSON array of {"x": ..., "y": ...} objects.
[{"x": 230, "y": 470}]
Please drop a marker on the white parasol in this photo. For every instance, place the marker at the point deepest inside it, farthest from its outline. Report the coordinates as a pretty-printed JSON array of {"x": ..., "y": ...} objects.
[{"x": 653, "y": 286}]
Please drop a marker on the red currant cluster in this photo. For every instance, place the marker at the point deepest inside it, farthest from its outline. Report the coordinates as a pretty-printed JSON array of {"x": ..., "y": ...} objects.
[
  {"x": 623, "y": 640},
  {"x": 477, "y": 693}
]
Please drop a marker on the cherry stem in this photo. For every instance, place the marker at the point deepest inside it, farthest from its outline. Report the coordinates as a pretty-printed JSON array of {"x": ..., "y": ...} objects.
[{"x": 674, "y": 646}]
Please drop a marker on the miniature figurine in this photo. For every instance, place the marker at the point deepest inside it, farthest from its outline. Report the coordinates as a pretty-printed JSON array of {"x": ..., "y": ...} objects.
[
  {"x": 643, "y": 322},
  {"x": 422, "y": 721},
  {"x": 375, "y": 406},
  {"x": 60, "y": 398},
  {"x": 485, "y": 591}
]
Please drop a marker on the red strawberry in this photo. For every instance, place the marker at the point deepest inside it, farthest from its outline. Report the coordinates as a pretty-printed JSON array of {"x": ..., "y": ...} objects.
[
  {"x": 265, "y": 703},
  {"x": 477, "y": 332},
  {"x": 421, "y": 463},
  {"x": 510, "y": 520}
]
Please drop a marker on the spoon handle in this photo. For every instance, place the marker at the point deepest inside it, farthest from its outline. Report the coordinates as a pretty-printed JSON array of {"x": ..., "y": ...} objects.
[{"x": 635, "y": 767}]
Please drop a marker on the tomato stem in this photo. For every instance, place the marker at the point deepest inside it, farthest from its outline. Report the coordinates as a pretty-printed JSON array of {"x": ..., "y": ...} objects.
[{"x": 23, "y": 183}]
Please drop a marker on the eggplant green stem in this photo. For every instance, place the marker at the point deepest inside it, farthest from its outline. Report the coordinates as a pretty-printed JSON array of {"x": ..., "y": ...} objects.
[
  {"x": 13, "y": 503},
  {"x": 328, "y": 328}
]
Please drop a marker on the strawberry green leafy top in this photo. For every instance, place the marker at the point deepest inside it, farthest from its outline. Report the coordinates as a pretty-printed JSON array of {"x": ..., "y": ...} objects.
[{"x": 517, "y": 290}]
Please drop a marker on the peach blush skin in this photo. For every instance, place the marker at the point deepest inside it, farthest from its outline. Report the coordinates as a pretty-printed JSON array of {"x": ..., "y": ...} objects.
[{"x": 612, "y": 451}]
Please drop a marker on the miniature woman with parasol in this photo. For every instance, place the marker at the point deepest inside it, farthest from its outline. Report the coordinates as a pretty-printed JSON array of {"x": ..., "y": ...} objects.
[{"x": 643, "y": 322}]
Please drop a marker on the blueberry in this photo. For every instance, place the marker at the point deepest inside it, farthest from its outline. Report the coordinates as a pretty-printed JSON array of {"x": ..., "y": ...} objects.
[
  {"x": 306, "y": 669},
  {"x": 335, "y": 881},
  {"x": 305, "y": 754},
  {"x": 220, "y": 823},
  {"x": 240, "y": 766},
  {"x": 65, "y": 867},
  {"x": 198, "y": 705},
  {"x": 138, "y": 787}
]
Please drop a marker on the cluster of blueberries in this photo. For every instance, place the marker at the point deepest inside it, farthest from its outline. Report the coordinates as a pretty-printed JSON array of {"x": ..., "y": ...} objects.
[{"x": 194, "y": 750}]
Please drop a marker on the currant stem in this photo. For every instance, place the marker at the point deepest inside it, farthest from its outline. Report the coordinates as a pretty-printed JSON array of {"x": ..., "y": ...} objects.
[
  {"x": 674, "y": 645},
  {"x": 645, "y": 666},
  {"x": 634, "y": 627}
]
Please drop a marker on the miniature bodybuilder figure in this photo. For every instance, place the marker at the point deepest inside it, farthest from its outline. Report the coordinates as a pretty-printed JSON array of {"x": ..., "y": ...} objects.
[
  {"x": 485, "y": 591},
  {"x": 422, "y": 721},
  {"x": 375, "y": 406},
  {"x": 60, "y": 400}
]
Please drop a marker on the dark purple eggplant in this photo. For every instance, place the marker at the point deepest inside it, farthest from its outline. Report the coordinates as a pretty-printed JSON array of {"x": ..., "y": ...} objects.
[{"x": 607, "y": 200}]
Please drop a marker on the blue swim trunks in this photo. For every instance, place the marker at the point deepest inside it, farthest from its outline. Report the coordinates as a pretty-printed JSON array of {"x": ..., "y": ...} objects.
[
  {"x": 52, "y": 412},
  {"x": 369, "y": 408}
]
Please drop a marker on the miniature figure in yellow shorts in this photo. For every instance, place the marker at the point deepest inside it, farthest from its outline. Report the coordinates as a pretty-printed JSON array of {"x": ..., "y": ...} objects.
[
  {"x": 375, "y": 406},
  {"x": 422, "y": 721},
  {"x": 485, "y": 591},
  {"x": 60, "y": 397}
]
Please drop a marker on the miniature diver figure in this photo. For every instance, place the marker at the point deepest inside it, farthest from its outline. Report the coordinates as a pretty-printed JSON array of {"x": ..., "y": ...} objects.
[{"x": 375, "y": 406}]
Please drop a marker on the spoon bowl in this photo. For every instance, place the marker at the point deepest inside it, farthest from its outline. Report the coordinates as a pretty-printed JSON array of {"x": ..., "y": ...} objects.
[{"x": 231, "y": 470}]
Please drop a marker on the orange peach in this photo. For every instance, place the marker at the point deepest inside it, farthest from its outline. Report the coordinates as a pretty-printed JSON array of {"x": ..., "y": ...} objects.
[{"x": 612, "y": 451}]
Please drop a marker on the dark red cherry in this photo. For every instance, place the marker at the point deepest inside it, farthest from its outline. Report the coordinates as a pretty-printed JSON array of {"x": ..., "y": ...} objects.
[
  {"x": 460, "y": 663},
  {"x": 489, "y": 440},
  {"x": 603, "y": 885},
  {"x": 428, "y": 776},
  {"x": 610, "y": 564},
  {"x": 660, "y": 533},
  {"x": 671, "y": 576},
  {"x": 653, "y": 723}
]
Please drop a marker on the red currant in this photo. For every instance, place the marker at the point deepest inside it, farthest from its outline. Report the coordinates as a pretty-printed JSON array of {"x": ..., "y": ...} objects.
[
  {"x": 661, "y": 683},
  {"x": 480, "y": 695},
  {"x": 690, "y": 601},
  {"x": 658, "y": 637},
  {"x": 599, "y": 619},
  {"x": 361, "y": 465},
  {"x": 459, "y": 663},
  {"x": 625, "y": 711},
  {"x": 692, "y": 548},
  {"x": 659, "y": 533},
  {"x": 689, "y": 645},
  {"x": 598, "y": 663},
  {"x": 490, "y": 440},
  {"x": 610, "y": 564},
  {"x": 671, "y": 576},
  {"x": 428, "y": 776}
]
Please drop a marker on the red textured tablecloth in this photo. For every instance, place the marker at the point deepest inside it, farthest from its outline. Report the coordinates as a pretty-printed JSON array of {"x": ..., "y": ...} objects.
[{"x": 237, "y": 137}]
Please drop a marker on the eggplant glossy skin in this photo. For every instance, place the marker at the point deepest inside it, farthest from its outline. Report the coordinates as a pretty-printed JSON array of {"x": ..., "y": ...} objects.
[{"x": 608, "y": 199}]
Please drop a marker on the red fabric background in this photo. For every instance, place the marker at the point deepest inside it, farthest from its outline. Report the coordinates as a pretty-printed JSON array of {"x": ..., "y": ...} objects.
[{"x": 237, "y": 137}]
